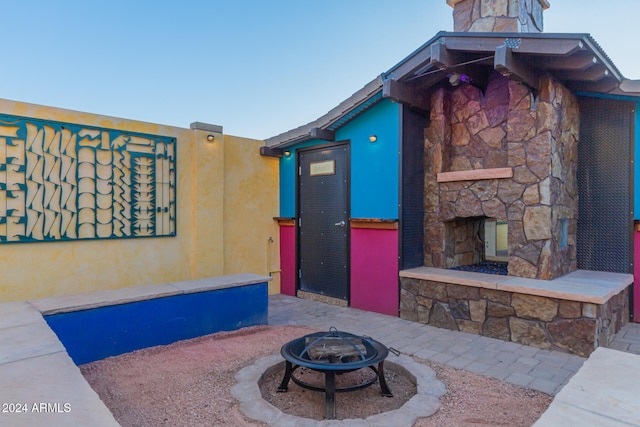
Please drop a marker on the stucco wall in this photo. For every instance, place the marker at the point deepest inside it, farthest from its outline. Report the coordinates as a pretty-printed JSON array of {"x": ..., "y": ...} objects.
[
  {"x": 221, "y": 188},
  {"x": 250, "y": 204}
]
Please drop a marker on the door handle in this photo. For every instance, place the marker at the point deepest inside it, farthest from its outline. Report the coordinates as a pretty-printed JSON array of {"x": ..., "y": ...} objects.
[{"x": 341, "y": 224}]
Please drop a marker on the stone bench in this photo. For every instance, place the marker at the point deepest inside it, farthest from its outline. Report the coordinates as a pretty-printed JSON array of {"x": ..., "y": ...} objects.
[
  {"x": 576, "y": 313},
  {"x": 41, "y": 384}
]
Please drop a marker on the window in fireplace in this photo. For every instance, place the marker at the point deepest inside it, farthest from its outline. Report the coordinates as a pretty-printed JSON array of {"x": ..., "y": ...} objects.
[
  {"x": 496, "y": 247},
  {"x": 564, "y": 233}
]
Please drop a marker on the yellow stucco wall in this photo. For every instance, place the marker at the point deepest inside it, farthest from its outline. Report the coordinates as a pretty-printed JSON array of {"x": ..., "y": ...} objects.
[
  {"x": 251, "y": 237},
  {"x": 227, "y": 195}
]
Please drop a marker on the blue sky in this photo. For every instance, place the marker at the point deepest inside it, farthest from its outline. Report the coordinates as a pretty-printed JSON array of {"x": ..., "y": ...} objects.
[{"x": 256, "y": 67}]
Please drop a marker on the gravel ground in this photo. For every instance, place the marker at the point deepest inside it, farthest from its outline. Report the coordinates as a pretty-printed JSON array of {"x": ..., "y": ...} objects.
[
  {"x": 351, "y": 405},
  {"x": 187, "y": 383},
  {"x": 476, "y": 400}
]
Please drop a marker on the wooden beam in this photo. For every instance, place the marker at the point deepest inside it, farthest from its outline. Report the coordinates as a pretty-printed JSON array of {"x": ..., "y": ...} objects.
[
  {"x": 323, "y": 134},
  {"x": 270, "y": 151},
  {"x": 605, "y": 85},
  {"x": 285, "y": 222},
  {"x": 574, "y": 62},
  {"x": 550, "y": 46},
  {"x": 415, "y": 61},
  {"x": 447, "y": 61},
  {"x": 593, "y": 74},
  {"x": 374, "y": 223},
  {"x": 427, "y": 81},
  {"x": 533, "y": 46},
  {"x": 444, "y": 59},
  {"x": 440, "y": 57},
  {"x": 402, "y": 93},
  {"x": 474, "y": 175},
  {"x": 509, "y": 66}
]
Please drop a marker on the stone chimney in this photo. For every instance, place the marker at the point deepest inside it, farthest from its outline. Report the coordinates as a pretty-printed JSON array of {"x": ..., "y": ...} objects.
[{"x": 512, "y": 16}]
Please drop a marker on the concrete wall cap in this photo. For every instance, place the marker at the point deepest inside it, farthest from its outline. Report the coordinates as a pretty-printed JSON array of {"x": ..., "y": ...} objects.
[
  {"x": 206, "y": 127},
  {"x": 545, "y": 3}
]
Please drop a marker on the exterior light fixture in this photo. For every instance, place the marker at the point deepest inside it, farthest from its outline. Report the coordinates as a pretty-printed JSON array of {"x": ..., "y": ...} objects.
[
  {"x": 287, "y": 153},
  {"x": 455, "y": 79},
  {"x": 210, "y": 137},
  {"x": 373, "y": 138}
]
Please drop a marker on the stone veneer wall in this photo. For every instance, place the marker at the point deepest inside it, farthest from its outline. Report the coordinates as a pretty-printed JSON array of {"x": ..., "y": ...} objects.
[
  {"x": 505, "y": 127},
  {"x": 463, "y": 243},
  {"x": 542, "y": 322},
  {"x": 523, "y": 16}
]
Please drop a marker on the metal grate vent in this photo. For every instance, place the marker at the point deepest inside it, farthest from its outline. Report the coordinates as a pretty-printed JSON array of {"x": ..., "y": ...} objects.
[{"x": 513, "y": 43}]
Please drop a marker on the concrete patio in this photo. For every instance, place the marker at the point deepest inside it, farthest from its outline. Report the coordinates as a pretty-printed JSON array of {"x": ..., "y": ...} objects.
[
  {"x": 35, "y": 368},
  {"x": 601, "y": 390}
]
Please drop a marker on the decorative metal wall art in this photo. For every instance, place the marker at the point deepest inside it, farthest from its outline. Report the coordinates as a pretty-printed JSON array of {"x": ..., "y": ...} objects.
[{"x": 61, "y": 181}]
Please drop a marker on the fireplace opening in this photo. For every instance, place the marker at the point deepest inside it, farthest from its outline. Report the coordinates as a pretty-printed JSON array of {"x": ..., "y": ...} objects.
[
  {"x": 496, "y": 245},
  {"x": 477, "y": 244}
]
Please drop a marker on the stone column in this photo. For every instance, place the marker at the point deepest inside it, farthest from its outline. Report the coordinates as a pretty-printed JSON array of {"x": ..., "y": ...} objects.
[
  {"x": 436, "y": 153},
  {"x": 542, "y": 147},
  {"x": 522, "y": 16}
]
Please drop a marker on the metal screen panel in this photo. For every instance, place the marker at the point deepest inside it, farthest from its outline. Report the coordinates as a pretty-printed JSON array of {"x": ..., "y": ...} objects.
[
  {"x": 604, "y": 234},
  {"x": 412, "y": 181}
]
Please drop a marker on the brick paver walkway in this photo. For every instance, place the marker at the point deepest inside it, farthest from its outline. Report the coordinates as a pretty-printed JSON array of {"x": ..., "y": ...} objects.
[{"x": 531, "y": 367}]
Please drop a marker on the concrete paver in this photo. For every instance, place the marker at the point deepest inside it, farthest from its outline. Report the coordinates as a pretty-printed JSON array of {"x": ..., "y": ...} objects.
[
  {"x": 17, "y": 314},
  {"x": 50, "y": 391},
  {"x": 613, "y": 381},
  {"x": 539, "y": 369},
  {"x": 28, "y": 341},
  {"x": 604, "y": 392}
]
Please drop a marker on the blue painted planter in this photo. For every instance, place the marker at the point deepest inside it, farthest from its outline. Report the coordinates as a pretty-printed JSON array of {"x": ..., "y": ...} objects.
[{"x": 95, "y": 334}]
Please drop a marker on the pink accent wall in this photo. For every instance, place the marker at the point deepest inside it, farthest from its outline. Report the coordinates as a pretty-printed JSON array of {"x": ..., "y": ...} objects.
[
  {"x": 374, "y": 270},
  {"x": 288, "y": 260},
  {"x": 636, "y": 276}
]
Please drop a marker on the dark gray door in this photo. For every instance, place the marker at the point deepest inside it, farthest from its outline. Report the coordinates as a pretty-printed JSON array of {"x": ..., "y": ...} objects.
[{"x": 323, "y": 227}]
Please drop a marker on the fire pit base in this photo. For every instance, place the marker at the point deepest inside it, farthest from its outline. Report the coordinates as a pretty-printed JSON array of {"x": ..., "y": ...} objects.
[
  {"x": 330, "y": 389},
  {"x": 266, "y": 374}
]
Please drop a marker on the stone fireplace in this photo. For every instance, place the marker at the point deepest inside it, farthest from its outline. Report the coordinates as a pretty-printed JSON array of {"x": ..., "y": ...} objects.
[
  {"x": 506, "y": 154},
  {"x": 501, "y": 158}
]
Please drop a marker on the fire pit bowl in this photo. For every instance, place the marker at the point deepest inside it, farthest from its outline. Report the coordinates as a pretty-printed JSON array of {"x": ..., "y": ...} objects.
[{"x": 334, "y": 353}]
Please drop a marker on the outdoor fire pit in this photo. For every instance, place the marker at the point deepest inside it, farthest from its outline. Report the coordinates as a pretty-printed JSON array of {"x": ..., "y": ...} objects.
[{"x": 334, "y": 353}]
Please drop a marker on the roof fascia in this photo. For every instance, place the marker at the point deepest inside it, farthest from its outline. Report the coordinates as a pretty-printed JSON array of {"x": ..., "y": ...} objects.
[
  {"x": 420, "y": 61},
  {"x": 563, "y": 44},
  {"x": 306, "y": 132}
]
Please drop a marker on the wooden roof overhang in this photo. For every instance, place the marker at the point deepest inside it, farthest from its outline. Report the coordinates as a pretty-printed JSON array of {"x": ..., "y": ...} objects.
[{"x": 574, "y": 59}]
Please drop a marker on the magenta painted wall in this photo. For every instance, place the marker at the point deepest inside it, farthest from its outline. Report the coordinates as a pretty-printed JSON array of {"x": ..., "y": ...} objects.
[
  {"x": 636, "y": 276},
  {"x": 288, "y": 260},
  {"x": 374, "y": 270}
]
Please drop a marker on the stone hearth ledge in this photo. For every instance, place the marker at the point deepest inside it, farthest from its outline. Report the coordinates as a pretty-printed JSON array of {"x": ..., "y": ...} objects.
[{"x": 595, "y": 287}]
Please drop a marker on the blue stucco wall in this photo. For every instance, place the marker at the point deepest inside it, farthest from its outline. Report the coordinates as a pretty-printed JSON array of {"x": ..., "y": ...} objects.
[
  {"x": 288, "y": 179},
  {"x": 374, "y": 166},
  {"x": 90, "y": 335},
  {"x": 636, "y": 165}
]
